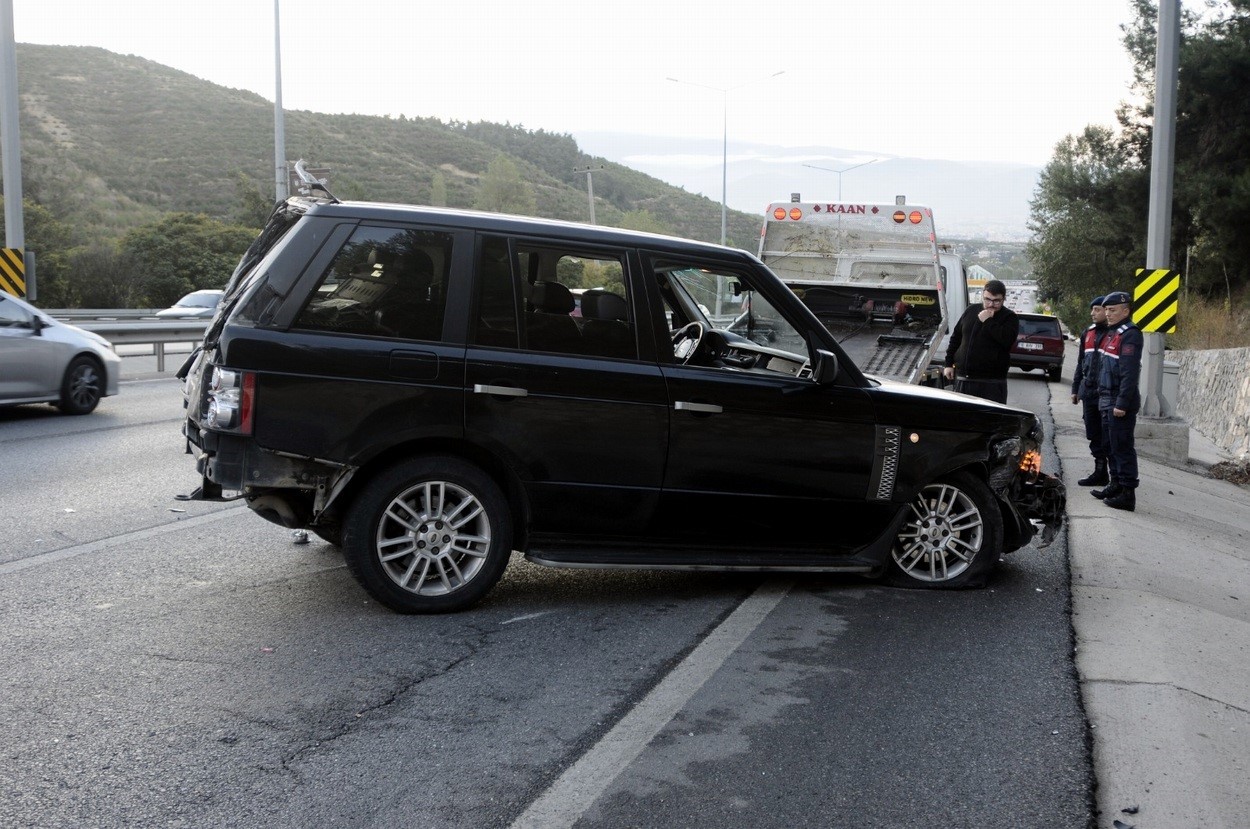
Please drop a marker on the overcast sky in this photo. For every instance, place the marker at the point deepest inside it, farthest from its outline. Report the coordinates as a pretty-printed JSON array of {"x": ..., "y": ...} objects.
[{"x": 988, "y": 80}]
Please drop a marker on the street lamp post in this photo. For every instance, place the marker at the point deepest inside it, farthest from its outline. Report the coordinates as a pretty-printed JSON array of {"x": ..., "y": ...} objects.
[
  {"x": 281, "y": 179},
  {"x": 724, "y": 168},
  {"x": 589, "y": 170},
  {"x": 840, "y": 172}
]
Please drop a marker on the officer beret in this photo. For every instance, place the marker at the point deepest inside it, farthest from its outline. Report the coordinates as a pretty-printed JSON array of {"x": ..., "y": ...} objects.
[
  {"x": 1096, "y": 301},
  {"x": 1117, "y": 298}
]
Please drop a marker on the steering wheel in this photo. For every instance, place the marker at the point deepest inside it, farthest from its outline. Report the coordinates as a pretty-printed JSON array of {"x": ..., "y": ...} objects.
[{"x": 686, "y": 341}]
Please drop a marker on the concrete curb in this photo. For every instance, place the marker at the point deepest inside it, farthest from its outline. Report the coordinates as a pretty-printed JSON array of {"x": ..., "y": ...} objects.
[{"x": 1161, "y": 612}]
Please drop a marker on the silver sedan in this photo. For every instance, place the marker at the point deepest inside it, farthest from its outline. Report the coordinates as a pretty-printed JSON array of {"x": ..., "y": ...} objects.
[{"x": 46, "y": 361}]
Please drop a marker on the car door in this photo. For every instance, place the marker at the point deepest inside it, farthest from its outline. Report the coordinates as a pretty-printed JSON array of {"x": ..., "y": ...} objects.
[
  {"x": 762, "y": 458},
  {"x": 26, "y": 358},
  {"x": 581, "y": 420},
  {"x": 368, "y": 336}
]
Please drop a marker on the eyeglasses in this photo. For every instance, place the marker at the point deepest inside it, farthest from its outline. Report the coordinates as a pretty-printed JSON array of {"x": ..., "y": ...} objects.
[{"x": 993, "y": 301}]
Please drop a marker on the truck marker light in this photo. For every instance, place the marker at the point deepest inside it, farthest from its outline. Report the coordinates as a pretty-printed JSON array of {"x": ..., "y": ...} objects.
[
  {"x": 779, "y": 213},
  {"x": 795, "y": 213},
  {"x": 899, "y": 217},
  {"x": 915, "y": 217}
]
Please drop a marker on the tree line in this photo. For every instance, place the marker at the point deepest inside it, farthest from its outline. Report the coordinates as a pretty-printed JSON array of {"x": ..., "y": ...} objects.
[
  {"x": 1089, "y": 213},
  {"x": 152, "y": 265}
]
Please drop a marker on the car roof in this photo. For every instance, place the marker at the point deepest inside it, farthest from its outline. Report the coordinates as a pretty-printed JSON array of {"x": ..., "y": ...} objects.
[
  {"x": 508, "y": 223},
  {"x": 1031, "y": 316}
]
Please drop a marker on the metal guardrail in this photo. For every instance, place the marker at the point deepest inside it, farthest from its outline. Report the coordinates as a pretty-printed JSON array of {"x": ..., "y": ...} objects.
[
  {"x": 134, "y": 326},
  {"x": 157, "y": 333},
  {"x": 75, "y": 314}
]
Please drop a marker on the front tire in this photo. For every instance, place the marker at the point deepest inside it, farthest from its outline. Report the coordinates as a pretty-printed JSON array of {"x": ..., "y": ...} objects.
[
  {"x": 952, "y": 537},
  {"x": 82, "y": 387},
  {"x": 430, "y": 535}
]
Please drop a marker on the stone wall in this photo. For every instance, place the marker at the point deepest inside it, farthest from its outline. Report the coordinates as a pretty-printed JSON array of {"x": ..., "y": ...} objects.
[{"x": 1214, "y": 395}]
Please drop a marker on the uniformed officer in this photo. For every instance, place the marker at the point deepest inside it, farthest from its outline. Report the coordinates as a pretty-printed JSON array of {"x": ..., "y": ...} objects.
[
  {"x": 1085, "y": 391},
  {"x": 1119, "y": 367}
]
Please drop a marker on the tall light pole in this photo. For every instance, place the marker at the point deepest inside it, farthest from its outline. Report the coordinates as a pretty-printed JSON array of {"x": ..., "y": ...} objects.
[
  {"x": 14, "y": 226},
  {"x": 281, "y": 179},
  {"x": 1159, "y": 220},
  {"x": 724, "y": 169},
  {"x": 840, "y": 172}
]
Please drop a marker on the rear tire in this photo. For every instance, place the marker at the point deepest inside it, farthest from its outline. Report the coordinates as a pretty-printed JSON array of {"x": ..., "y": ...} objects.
[
  {"x": 429, "y": 535},
  {"x": 82, "y": 387},
  {"x": 952, "y": 537},
  {"x": 1053, "y": 374}
]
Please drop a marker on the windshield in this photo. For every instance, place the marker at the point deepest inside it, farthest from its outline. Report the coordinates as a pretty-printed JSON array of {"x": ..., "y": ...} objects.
[{"x": 199, "y": 300}]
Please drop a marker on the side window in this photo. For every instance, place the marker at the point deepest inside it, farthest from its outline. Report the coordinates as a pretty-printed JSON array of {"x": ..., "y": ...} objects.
[
  {"x": 573, "y": 301},
  {"x": 11, "y": 316},
  {"x": 384, "y": 282},
  {"x": 724, "y": 301}
]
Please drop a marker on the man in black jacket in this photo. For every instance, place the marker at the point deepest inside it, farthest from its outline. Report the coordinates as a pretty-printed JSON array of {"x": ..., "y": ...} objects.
[{"x": 980, "y": 346}]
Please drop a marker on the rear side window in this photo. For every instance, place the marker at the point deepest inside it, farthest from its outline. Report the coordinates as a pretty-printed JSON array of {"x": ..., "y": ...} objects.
[
  {"x": 383, "y": 282},
  {"x": 1038, "y": 328},
  {"x": 554, "y": 298}
]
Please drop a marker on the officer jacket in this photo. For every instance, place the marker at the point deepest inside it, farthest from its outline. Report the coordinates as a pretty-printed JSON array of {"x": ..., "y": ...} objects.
[
  {"x": 1119, "y": 367},
  {"x": 1085, "y": 378},
  {"x": 982, "y": 350}
]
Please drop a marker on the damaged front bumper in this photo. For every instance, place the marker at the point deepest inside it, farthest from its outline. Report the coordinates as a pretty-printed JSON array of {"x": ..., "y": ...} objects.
[{"x": 1042, "y": 500}]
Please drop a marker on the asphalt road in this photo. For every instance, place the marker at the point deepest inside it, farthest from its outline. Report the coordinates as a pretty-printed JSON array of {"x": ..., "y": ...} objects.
[{"x": 197, "y": 668}]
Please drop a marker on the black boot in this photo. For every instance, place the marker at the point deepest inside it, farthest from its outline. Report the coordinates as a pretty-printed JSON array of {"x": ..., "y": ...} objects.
[
  {"x": 1109, "y": 491},
  {"x": 1125, "y": 499},
  {"x": 1098, "y": 477}
]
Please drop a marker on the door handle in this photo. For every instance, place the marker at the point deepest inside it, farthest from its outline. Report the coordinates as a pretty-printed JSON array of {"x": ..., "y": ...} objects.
[
  {"x": 701, "y": 408},
  {"x": 499, "y": 391}
]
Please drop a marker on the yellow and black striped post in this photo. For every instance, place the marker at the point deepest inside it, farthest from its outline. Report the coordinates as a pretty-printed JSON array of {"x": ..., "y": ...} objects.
[
  {"x": 13, "y": 271},
  {"x": 1156, "y": 300}
]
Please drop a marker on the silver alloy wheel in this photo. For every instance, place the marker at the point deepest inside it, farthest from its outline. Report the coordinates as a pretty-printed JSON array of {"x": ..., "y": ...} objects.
[
  {"x": 942, "y": 536},
  {"x": 433, "y": 538}
]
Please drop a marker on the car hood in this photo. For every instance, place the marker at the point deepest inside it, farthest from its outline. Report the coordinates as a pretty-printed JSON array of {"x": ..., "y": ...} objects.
[
  {"x": 64, "y": 332},
  {"x": 962, "y": 412}
]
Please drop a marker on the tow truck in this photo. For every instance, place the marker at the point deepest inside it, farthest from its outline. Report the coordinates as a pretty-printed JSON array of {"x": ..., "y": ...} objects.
[{"x": 871, "y": 274}]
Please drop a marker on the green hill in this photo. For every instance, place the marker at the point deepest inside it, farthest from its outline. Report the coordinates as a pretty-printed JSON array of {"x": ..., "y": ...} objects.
[{"x": 111, "y": 142}]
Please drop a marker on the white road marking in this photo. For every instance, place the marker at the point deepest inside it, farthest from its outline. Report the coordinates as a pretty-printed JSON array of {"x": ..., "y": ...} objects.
[
  {"x": 124, "y": 538},
  {"x": 526, "y": 617},
  {"x": 563, "y": 804}
]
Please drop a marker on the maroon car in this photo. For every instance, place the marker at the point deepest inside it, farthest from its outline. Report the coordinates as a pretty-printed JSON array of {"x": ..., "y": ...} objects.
[{"x": 1039, "y": 345}]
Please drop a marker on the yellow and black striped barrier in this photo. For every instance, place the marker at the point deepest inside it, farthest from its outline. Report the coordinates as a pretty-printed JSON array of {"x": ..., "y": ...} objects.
[
  {"x": 13, "y": 271},
  {"x": 1156, "y": 300}
]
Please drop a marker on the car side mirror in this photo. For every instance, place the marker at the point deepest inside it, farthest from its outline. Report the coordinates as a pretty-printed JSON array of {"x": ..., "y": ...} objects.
[
  {"x": 36, "y": 324},
  {"x": 824, "y": 367}
]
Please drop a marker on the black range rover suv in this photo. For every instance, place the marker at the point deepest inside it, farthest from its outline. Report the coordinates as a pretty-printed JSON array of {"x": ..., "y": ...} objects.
[{"x": 410, "y": 383}]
